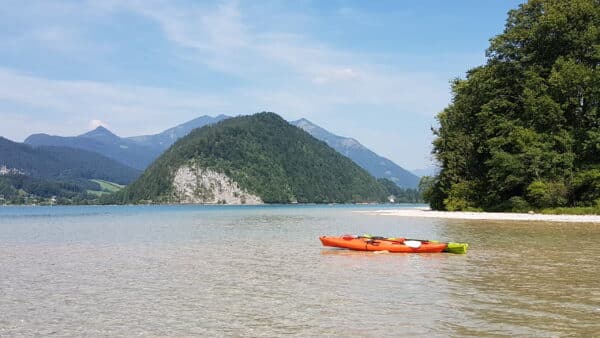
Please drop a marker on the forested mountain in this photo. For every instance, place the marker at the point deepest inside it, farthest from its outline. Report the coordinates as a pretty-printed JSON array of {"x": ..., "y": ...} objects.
[
  {"x": 376, "y": 165},
  {"x": 62, "y": 163},
  {"x": 398, "y": 194},
  {"x": 523, "y": 130},
  {"x": 139, "y": 151},
  {"x": 262, "y": 157},
  {"x": 43, "y": 172}
]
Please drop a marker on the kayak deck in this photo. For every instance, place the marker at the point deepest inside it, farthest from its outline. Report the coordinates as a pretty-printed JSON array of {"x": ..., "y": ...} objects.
[{"x": 371, "y": 244}]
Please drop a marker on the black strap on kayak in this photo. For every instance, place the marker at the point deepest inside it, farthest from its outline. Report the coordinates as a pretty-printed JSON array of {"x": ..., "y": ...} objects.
[
  {"x": 381, "y": 238},
  {"x": 373, "y": 237},
  {"x": 372, "y": 241}
]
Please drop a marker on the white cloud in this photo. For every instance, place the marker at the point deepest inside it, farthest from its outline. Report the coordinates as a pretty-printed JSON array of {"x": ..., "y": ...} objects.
[
  {"x": 97, "y": 123},
  {"x": 129, "y": 108}
]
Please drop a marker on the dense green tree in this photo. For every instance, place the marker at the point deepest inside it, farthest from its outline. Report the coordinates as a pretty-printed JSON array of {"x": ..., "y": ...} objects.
[{"x": 525, "y": 127}]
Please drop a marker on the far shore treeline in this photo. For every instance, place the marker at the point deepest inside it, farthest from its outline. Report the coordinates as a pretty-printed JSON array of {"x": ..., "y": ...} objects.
[{"x": 523, "y": 131}]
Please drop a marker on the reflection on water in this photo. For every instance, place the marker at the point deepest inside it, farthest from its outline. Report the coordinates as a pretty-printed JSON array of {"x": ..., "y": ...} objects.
[{"x": 261, "y": 271}]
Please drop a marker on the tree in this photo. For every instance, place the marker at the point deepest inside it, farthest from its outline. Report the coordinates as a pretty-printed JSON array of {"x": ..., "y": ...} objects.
[{"x": 530, "y": 114}]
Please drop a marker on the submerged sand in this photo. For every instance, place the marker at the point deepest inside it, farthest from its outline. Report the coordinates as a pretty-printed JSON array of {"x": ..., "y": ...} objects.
[{"x": 501, "y": 216}]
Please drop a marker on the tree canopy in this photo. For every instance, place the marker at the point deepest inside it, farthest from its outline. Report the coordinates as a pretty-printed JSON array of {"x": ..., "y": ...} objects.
[{"x": 523, "y": 130}]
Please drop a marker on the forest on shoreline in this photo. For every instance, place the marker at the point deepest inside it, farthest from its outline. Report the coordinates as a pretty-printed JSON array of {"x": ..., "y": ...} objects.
[{"x": 523, "y": 131}]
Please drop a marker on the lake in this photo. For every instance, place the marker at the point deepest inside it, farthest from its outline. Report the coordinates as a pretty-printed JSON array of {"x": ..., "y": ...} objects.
[{"x": 261, "y": 271}]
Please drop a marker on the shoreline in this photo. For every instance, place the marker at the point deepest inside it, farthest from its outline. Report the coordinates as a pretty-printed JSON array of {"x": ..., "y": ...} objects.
[{"x": 483, "y": 216}]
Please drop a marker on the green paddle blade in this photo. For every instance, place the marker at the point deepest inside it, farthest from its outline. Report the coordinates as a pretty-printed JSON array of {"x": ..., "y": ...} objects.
[{"x": 457, "y": 248}]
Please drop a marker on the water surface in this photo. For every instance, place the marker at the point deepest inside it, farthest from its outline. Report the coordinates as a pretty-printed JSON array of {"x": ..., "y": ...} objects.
[{"x": 260, "y": 271}]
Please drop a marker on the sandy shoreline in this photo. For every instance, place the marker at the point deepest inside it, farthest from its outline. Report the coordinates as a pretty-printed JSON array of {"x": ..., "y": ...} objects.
[{"x": 500, "y": 216}]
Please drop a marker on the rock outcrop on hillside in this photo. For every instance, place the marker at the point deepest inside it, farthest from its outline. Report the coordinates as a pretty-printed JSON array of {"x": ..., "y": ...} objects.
[{"x": 193, "y": 184}]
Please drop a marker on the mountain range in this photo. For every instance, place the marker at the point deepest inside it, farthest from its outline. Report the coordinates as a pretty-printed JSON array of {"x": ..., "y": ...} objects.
[
  {"x": 48, "y": 173},
  {"x": 164, "y": 140},
  {"x": 61, "y": 163},
  {"x": 137, "y": 151},
  {"x": 251, "y": 160},
  {"x": 140, "y": 151},
  {"x": 101, "y": 141}
]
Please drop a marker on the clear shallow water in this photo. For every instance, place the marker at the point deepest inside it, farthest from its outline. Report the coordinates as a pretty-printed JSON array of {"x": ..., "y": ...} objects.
[{"x": 261, "y": 271}]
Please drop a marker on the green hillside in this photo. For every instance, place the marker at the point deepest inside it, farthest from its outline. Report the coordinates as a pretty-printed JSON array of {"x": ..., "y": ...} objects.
[
  {"x": 21, "y": 189},
  {"x": 34, "y": 175},
  {"x": 105, "y": 187},
  {"x": 62, "y": 163},
  {"x": 109, "y": 186},
  {"x": 267, "y": 157},
  {"x": 523, "y": 130}
]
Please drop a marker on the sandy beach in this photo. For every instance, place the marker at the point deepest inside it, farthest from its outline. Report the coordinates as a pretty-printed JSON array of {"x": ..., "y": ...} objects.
[{"x": 499, "y": 216}]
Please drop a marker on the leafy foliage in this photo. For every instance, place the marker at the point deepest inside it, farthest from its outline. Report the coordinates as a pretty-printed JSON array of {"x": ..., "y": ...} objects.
[
  {"x": 524, "y": 129},
  {"x": 547, "y": 194},
  {"x": 267, "y": 157}
]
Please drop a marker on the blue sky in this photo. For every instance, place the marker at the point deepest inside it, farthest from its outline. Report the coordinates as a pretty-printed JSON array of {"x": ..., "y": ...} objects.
[{"x": 377, "y": 71}]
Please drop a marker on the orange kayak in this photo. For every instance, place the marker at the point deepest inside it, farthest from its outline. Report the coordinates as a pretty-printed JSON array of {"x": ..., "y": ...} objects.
[{"x": 373, "y": 244}]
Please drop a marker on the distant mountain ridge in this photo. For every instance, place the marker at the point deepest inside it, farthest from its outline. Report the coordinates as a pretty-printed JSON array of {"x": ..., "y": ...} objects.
[
  {"x": 61, "y": 163},
  {"x": 166, "y": 138},
  {"x": 101, "y": 134},
  {"x": 375, "y": 164},
  {"x": 139, "y": 151},
  {"x": 63, "y": 175},
  {"x": 101, "y": 141}
]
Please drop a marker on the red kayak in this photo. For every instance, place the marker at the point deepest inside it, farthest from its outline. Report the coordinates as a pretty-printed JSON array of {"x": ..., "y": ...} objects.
[{"x": 382, "y": 244}]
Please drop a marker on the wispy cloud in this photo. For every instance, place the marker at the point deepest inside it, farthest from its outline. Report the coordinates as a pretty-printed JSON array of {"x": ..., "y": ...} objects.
[
  {"x": 51, "y": 25},
  {"x": 291, "y": 72},
  {"x": 77, "y": 102},
  {"x": 224, "y": 39}
]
